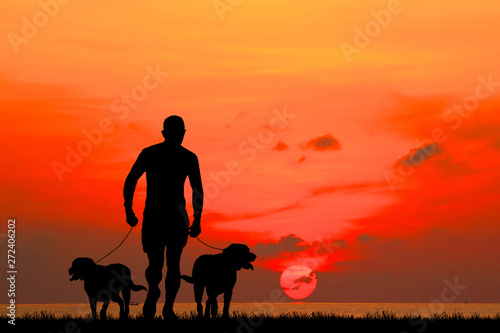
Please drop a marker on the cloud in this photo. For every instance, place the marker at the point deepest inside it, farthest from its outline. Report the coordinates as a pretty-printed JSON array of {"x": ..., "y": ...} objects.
[
  {"x": 292, "y": 250},
  {"x": 365, "y": 238},
  {"x": 305, "y": 279},
  {"x": 351, "y": 187},
  {"x": 218, "y": 217},
  {"x": 419, "y": 155},
  {"x": 291, "y": 244},
  {"x": 339, "y": 243},
  {"x": 280, "y": 146},
  {"x": 322, "y": 143},
  {"x": 286, "y": 245},
  {"x": 293, "y": 288}
]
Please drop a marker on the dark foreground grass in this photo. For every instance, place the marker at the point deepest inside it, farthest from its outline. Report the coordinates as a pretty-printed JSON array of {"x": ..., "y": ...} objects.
[{"x": 250, "y": 323}]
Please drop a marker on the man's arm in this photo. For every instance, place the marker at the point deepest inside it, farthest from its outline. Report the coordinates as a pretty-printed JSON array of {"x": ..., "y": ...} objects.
[
  {"x": 197, "y": 199},
  {"x": 129, "y": 188}
]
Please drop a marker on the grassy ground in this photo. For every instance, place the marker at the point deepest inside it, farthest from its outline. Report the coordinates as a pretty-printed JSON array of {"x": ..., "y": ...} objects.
[{"x": 242, "y": 323}]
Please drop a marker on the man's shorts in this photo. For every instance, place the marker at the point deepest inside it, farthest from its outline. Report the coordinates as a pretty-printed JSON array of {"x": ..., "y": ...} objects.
[{"x": 170, "y": 231}]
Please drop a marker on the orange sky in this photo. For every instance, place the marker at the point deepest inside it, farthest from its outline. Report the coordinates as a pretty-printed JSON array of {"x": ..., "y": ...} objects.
[{"x": 334, "y": 156}]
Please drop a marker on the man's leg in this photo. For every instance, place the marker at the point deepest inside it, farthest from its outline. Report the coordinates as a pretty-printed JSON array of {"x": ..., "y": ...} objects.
[
  {"x": 153, "y": 276},
  {"x": 172, "y": 280}
]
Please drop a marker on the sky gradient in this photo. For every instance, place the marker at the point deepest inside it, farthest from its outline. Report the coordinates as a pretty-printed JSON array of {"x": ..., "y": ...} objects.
[{"x": 377, "y": 167}]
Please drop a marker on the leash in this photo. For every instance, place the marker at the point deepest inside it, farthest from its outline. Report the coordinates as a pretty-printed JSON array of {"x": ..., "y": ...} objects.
[
  {"x": 117, "y": 246},
  {"x": 212, "y": 247}
]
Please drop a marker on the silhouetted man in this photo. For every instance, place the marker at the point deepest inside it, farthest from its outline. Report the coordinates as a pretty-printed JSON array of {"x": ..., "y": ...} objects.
[{"x": 165, "y": 223}]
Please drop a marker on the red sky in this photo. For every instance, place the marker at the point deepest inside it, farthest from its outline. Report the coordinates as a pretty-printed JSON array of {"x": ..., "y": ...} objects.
[{"x": 378, "y": 169}]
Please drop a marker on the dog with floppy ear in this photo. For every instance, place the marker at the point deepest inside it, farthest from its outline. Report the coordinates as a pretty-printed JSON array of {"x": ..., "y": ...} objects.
[
  {"x": 104, "y": 284},
  {"x": 217, "y": 273}
]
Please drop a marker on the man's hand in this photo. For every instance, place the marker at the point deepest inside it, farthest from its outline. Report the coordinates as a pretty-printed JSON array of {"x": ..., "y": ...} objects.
[
  {"x": 195, "y": 229},
  {"x": 132, "y": 220}
]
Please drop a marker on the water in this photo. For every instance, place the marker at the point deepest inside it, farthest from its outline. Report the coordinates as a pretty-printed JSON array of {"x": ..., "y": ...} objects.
[{"x": 355, "y": 309}]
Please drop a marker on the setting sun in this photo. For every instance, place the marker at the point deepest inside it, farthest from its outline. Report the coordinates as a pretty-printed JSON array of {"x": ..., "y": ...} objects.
[{"x": 298, "y": 281}]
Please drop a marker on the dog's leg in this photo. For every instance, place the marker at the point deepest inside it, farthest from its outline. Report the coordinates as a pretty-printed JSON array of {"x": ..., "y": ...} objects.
[
  {"x": 211, "y": 305},
  {"x": 207, "y": 307},
  {"x": 198, "y": 296},
  {"x": 126, "y": 300},
  {"x": 215, "y": 307},
  {"x": 119, "y": 300},
  {"x": 227, "y": 301},
  {"x": 93, "y": 305},
  {"x": 104, "y": 308}
]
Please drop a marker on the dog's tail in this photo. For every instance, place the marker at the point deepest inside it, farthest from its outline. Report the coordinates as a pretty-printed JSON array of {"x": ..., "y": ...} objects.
[
  {"x": 137, "y": 287},
  {"x": 188, "y": 279}
]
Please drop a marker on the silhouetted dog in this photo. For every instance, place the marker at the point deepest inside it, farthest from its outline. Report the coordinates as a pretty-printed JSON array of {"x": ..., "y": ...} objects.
[
  {"x": 104, "y": 284},
  {"x": 218, "y": 274}
]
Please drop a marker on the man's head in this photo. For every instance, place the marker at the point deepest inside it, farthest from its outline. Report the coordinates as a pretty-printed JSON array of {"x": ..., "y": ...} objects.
[{"x": 173, "y": 130}]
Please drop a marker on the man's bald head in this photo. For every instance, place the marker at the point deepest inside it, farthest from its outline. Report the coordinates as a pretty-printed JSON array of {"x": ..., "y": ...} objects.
[{"x": 173, "y": 130}]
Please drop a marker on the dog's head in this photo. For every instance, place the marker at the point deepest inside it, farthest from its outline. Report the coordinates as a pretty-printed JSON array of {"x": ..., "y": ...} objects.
[
  {"x": 240, "y": 256},
  {"x": 80, "y": 268}
]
